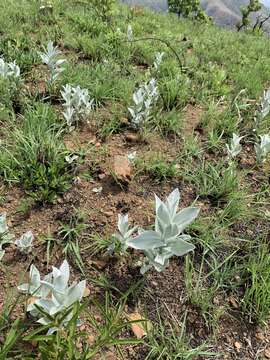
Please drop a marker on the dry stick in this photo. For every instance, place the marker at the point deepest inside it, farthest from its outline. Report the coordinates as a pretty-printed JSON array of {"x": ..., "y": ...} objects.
[
  {"x": 264, "y": 21},
  {"x": 164, "y": 42},
  {"x": 142, "y": 39}
]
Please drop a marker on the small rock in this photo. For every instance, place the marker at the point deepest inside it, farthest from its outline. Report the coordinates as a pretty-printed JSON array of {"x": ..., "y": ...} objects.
[
  {"x": 237, "y": 345},
  {"x": 216, "y": 300},
  {"x": 86, "y": 292},
  {"x": 132, "y": 137},
  {"x": 77, "y": 180},
  {"x": 98, "y": 144},
  {"x": 91, "y": 339},
  {"x": 124, "y": 121},
  {"x": 141, "y": 326},
  {"x": 233, "y": 302},
  {"x": 101, "y": 176},
  {"x": 100, "y": 264},
  {"x": 108, "y": 213},
  {"x": 109, "y": 356},
  {"x": 259, "y": 335},
  {"x": 97, "y": 190},
  {"x": 267, "y": 353},
  {"x": 121, "y": 168}
]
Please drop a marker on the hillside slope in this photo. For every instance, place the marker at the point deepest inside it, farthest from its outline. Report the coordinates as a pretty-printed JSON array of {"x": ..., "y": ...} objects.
[
  {"x": 98, "y": 114},
  {"x": 224, "y": 12}
]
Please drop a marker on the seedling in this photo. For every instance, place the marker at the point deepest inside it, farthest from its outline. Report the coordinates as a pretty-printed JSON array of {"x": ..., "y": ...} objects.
[
  {"x": 158, "y": 60},
  {"x": 167, "y": 239},
  {"x": 52, "y": 295},
  {"x": 5, "y": 236},
  {"x": 129, "y": 33},
  {"x": 9, "y": 69},
  {"x": 77, "y": 103},
  {"x": 144, "y": 99},
  {"x": 25, "y": 242},
  {"x": 124, "y": 233},
  {"x": 265, "y": 105},
  {"x": 234, "y": 148},
  {"x": 50, "y": 57},
  {"x": 263, "y": 148}
]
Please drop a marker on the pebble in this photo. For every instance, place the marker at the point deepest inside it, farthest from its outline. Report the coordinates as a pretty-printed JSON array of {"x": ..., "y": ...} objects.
[
  {"x": 108, "y": 213},
  {"x": 132, "y": 137},
  {"x": 237, "y": 345},
  {"x": 267, "y": 353},
  {"x": 259, "y": 336},
  {"x": 233, "y": 302}
]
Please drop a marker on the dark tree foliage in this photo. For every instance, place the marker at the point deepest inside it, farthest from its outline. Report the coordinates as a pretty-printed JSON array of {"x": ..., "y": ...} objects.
[
  {"x": 253, "y": 6},
  {"x": 103, "y": 8},
  {"x": 188, "y": 9}
]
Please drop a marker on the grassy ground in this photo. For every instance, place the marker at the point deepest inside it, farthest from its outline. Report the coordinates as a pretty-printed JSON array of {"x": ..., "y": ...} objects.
[{"x": 212, "y": 303}]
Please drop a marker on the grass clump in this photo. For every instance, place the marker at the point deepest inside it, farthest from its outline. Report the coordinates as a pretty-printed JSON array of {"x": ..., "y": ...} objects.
[
  {"x": 34, "y": 155},
  {"x": 256, "y": 298},
  {"x": 157, "y": 167},
  {"x": 216, "y": 182},
  {"x": 166, "y": 96}
]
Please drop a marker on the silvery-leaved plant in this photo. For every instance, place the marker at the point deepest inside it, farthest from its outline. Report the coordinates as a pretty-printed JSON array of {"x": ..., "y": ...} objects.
[
  {"x": 52, "y": 295},
  {"x": 129, "y": 33},
  {"x": 167, "y": 239},
  {"x": 36, "y": 286},
  {"x": 71, "y": 158},
  {"x": 234, "y": 148},
  {"x": 265, "y": 105},
  {"x": 9, "y": 69},
  {"x": 124, "y": 234},
  {"x": 262, "y": 148},
  {"x": 77, "y": 103},
  {"x": 158, "y": 59},
  {"x": 46, "y": 8},
  {"x": 25, "y": 242},
  {"x": 132, "y": 157},
  {"x": 50, "y": 57},
  {"x": 144, "y": 99},
  {"x": 5, "y": 236}
]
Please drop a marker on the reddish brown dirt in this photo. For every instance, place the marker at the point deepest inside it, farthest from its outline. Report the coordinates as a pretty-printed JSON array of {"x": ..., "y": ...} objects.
[{"x": 163, "y": 292}]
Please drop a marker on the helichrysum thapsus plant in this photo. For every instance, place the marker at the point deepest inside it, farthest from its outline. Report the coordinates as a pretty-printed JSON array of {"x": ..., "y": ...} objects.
[
  {"x": 132, "y": 157},
  {"x": 9, "y": 69},
  {"x": 167, "y": 239},
  {"x": 144, "y": 99},
  {"x": 129, "y": 33},
  {"x": 77, "y": 103},
  {"x": 158, "y": 59},
  {"x": 124, "y": 233},
  {"x": 262, "y": 148},
  {"x": 50, "y": 57},
  {"x": 5, "y": 236},
  {"x": 234, "y": 148},
  {"x": 52, "y": 295},
  {"x": 265, "y": 105},
  {"x": 71, "y": 158},
  {"x": 25, "y": 242}
]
